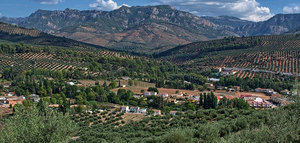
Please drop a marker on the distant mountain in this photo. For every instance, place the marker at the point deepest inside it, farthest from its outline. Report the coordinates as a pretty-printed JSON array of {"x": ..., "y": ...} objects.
[
  {"x": 128, "y": 28},
  {"x": 294, "y": 31},
  {"x": 276, "y": 25},
  {"x": 148, "y": 28}
]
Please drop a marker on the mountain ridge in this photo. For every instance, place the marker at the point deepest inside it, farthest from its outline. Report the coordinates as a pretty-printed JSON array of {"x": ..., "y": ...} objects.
[{"x": 148, "y": 29}]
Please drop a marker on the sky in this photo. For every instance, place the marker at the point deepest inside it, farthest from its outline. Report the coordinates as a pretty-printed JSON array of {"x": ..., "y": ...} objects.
[{"x": 253, "y": 10}]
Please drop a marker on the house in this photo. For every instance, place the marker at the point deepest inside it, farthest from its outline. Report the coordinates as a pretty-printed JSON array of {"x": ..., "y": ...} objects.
[
  {"x": 71, "y": 83},
  {"x": 195, "y": 97},
  {"x": 210, "y": 85},
  {"x": 150, "y": 93},
  {"x": 143, "y": 111},
  {"x": 137, "y": 95},
  {"x": 219, "y": 98},
  {"x": 247, "y": 97},
  {"x": 233, "y": 72},
  {"x": 13, "y": 100},
  {"x": 51, "y": 106},
  {"x": 221, "y": 87},
  {"x": 231, "y": 89},
  {"x": 230, "y": 97},
  {"x": 270, "y": 91},
  {"x": 156, "y": 112},
  {"x": 173, "y": 112},
  {"x": 285, "y": 92},
  {"x": 126, "y": 78},
  {"x": 214, "y": 79},
  {"x": 224, "y": 73},
  {"x": 187, "y": 82},
  {"x": 134, "y": 109},
  {"x": 34, "y": 97},
  {"x": 237, "y": 88},
  {"x": 257, "y": 104},
  {"x": 11, "y": 94},
  {"x": 266, "y": 91},
  {"x": 171, "y": 100},
  {"x": 258, "y": 89},
  {"x": 125, "y": 109},
  {"x": 165, "y": 95}
]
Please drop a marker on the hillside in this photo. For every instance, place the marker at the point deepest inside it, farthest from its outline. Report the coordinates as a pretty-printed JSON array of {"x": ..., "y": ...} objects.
[
  {"x": 30, "y": 36},
  {"x": 149, "y": 29},
  {"x": 266, "y": 53},
  {"x": 27, "y": 49}
]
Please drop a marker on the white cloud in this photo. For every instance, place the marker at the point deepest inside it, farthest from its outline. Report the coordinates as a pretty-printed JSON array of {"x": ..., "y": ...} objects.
[
  {"x": 106, "y": 5},
  {"x": 244, "y": 9},
  {"x": 48, "y": 1},
  {"x": 291, "y": 9}
]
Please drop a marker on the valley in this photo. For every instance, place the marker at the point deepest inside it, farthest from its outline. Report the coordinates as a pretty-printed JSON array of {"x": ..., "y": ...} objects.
[{"x": 148, "y": 74}]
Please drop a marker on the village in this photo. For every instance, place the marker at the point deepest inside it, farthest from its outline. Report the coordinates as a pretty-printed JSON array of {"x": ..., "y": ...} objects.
[{"x": 259, "y": 98}]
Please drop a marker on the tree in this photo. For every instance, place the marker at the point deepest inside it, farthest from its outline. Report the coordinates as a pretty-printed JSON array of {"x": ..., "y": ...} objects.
[
  {"x": 178, "y": 136},
  {"x": 31, "y": 124},
  {"x": 113, "y": 84},
  {"x": 130, "y": 82},
  {"x": 152, "y": 89}
]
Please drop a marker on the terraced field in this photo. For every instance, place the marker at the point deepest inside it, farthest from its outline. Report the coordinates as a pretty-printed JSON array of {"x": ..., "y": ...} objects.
[{"x": 267, "y": 57}]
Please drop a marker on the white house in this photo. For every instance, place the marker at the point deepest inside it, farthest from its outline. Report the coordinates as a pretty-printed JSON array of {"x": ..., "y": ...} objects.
[
  {"x": 125, "y": 109},
  {"x": 150, "y": 93},
  {"x": 71, "y": 83}
]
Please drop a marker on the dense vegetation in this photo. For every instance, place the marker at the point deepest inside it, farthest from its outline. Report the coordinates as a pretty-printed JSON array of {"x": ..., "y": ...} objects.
[{"x": 37, "y": 123}]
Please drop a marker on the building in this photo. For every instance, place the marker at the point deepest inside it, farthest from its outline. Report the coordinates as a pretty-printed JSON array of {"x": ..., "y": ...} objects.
[
  {"x": 173, "y": 112},
  {"x": 125, "y": 109},
  {"x": 221, "y": 88},
  {"x": 237, "y": 88},
  {"x": 134, "y": 109},
  {"x": 285, "y": 92},
  {"x": 210, "y": 85},
  {"x": 143, "y": 111},
  {"x": 165, "y": 95},
  {"x": 71, "y": 83},
  {"x": 214, "y": 79},
  {"x": 34, "y": 97},
  {"x": 137, "y": 95},
  {"x": 13, "y": 100},
  {"x": 156, "y": 112},
  {"x": 150, "y": 93},
  {"x": 171, "y": 100}
]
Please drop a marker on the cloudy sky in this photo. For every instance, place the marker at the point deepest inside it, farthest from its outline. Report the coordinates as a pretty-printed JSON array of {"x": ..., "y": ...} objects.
[{"x": 254, "y": 10}]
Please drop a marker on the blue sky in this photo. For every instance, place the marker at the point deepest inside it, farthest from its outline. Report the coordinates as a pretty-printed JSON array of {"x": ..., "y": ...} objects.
[{"x": 254, "y": 10}]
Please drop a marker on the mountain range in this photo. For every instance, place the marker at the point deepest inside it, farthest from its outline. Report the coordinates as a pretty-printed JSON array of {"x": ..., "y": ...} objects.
[{"x": 148, "y": 29}]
